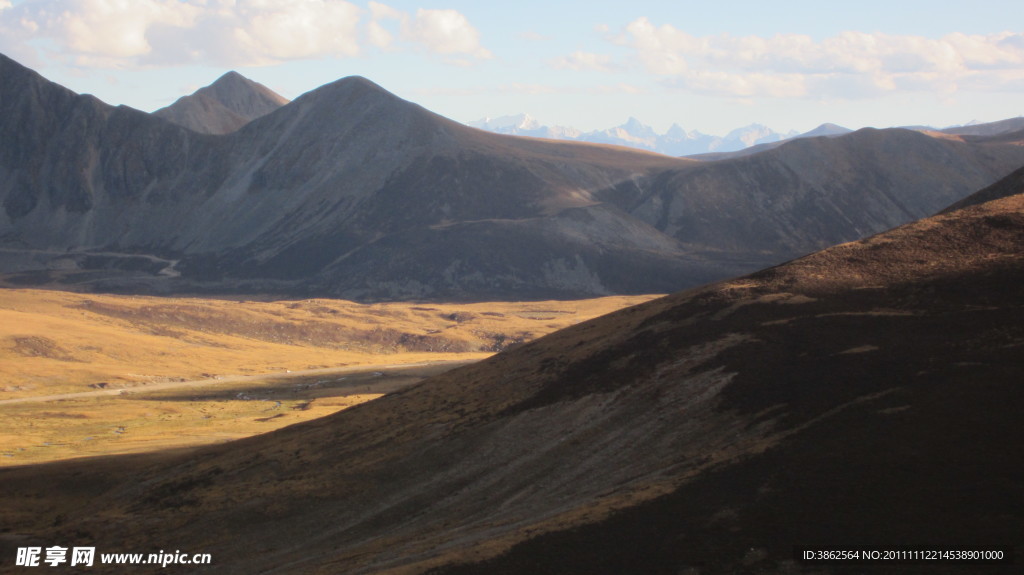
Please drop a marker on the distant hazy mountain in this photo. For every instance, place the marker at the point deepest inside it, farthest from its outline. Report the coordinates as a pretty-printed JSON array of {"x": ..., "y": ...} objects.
[
  {"x": 519, "y": 124},
  {"x": 987, "y": 129},
  {"x": 224, "y": 106},
  {"x": 869, "y": 394},
  {"x": 349, "y": 191},
  {"x": 525, "y": 125},
  {"x": 635, "y": 134},
  {"x": 679, "y": 142},
  {"x": 824, "y": 130}
]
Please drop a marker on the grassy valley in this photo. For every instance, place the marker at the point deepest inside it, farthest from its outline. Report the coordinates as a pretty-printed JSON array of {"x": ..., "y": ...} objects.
[{"x": 126, "y": 374}]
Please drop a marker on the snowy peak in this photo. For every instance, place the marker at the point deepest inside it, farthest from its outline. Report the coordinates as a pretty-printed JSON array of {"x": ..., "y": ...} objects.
[
  {"x": 677, "y": 141},
  {"x": 751, "y": 135},
  {"x": 637, "y": 128},
  {"x": 507, "y": 124}
]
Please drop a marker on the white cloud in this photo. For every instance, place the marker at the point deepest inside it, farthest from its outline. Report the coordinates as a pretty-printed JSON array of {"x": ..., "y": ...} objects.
[
  {"x": 445, "y": 32},
  {"x": 620, "y": 88},
  {"x": 850, "y": 64},
  {"x": 297, "y": 29},
  {"x": 580, "y": 60},
  {"x": 533, "y": 90},
  {"x": 120, "y": 33},
  {"x": 527, "y": 89},
  {"x": 376, "y": 33},
  {"x": 380, "y": 11},
  {"x": 742, "y": 85}
]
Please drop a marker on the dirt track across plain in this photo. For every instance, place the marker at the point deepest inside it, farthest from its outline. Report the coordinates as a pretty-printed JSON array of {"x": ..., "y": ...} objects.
[{"x": 230, "y": 379}]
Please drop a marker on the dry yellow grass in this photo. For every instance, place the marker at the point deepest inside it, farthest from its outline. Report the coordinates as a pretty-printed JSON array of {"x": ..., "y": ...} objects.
[
  {"x": 60, "y": 342},
  {"x": 253, "y": 366},
  {"x": 190, "y": 414}
]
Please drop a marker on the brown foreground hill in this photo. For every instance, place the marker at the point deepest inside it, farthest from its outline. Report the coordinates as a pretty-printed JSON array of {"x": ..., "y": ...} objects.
[{"x": 866, "y": 394}]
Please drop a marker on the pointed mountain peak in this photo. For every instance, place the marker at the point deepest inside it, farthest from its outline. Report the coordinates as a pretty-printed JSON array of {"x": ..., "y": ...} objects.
[
  {"x": 826, "y": 129},
  {"x": 224, "y": 106},
  {"x": 637, "y": 128},
  {"x": 675, "y": 130},
  {"x": 244, "y": 96},
  {"x": 231, "y": 76},
  {"x": 632, "y": 122},
  {"x": 347, "y": 87},
  {"x": 233, "y": 81},
  {"x": 353, "y": 83},
  {"x": 349, "y": 90}
]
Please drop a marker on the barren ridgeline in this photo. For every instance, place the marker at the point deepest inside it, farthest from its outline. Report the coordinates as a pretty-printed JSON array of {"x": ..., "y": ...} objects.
[{"x": 349, "y": 191}]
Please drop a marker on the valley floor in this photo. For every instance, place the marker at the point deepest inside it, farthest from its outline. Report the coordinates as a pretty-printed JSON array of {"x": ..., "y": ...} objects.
[
  {"x": 92, "y": 374},
  {"x": 188, "y": 414}
]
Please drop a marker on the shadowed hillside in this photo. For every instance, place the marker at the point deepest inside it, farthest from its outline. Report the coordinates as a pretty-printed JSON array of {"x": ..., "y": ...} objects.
[
  {"x": 866, "y": 394},
  {"x": 1008, "y": 186}
]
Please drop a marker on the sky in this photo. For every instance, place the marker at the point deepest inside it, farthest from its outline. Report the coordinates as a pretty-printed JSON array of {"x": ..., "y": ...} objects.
[{"x": 707, "y": 66}]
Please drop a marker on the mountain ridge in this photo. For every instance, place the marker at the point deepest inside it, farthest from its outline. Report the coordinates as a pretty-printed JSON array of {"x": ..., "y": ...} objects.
[{"x": 349, "y": 191}]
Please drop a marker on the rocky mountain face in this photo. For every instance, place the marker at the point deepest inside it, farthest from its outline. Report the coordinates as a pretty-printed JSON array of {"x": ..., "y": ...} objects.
[
  {"x": 312, "y": 198},
  {"x": 224, "y": 106},
  {"x": 351, "y": 192},
  {"x": 868, "y": 394},
  {"x": 785, "y": 199}
]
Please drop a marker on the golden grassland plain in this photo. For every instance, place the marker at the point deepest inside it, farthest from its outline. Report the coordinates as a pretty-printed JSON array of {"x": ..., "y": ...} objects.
[{"x": 91, "y": 374}]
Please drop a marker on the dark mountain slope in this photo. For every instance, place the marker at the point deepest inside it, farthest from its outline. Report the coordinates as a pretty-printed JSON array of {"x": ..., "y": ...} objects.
[
  {"x": 350, "y": 191},
  {"x": 302, "y": 189},
  {"x": 68, "y": 161},
  {"x": 1008, "y": 186},
  {"x": 894, "y": 397},
  {"x": 815, "y": 192},
  {"x": 224, "y": 106},
  {"x": 866, "y": 394}
]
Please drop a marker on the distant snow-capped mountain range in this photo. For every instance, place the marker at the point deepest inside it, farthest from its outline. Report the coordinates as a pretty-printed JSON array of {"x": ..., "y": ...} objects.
[{"x": 635, "y": 134}]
